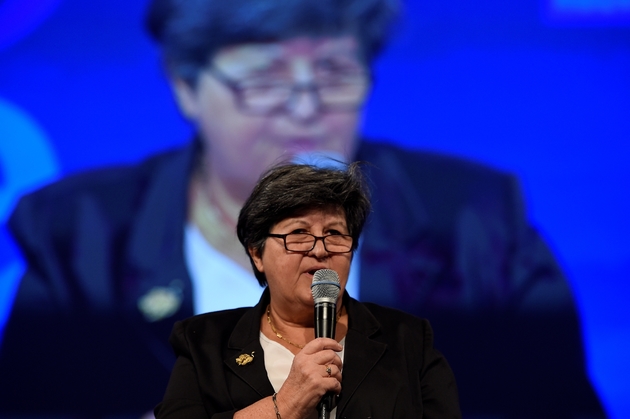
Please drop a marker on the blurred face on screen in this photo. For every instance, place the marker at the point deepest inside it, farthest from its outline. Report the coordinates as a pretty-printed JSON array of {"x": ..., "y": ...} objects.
[{"x": 257, "y": 104}]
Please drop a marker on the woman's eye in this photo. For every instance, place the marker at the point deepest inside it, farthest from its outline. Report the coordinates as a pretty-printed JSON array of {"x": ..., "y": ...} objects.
[{"x": 339, "y": 68}]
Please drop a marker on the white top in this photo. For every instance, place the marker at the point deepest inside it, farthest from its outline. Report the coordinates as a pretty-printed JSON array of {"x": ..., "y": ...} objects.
[
  {"x": 278, "y": 360},
  {"x": 219, "y": 283}
]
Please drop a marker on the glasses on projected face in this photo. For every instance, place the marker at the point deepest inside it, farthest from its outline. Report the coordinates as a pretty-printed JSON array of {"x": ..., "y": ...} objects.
[
  {"x": 305, "y": 242},
  {"x": 339, "y": 91}
]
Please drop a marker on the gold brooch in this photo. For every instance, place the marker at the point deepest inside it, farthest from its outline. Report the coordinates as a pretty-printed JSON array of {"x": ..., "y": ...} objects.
[{"x": 244, "y": 359}]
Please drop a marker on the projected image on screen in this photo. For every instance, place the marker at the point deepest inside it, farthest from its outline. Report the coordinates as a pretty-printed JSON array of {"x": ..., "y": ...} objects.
[{"x": 144, "y": 234}]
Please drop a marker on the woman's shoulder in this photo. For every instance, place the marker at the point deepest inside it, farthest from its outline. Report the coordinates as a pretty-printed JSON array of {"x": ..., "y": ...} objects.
[
  {"x": 391, "y": 320},
  {"x": 391, "y": 314},
  {"x": 115, "y": 189},
  {"x": 403, "y": 334},
  {"x": 385, "y": 154},
  {"x": 107, "y": 179},
  {"x": 216, "y": 320},
  {"x": 203, "y": 331}
]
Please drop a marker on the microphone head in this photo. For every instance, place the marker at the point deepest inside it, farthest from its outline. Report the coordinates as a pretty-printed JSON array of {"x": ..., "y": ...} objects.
[{"x": 325, "y": 286}]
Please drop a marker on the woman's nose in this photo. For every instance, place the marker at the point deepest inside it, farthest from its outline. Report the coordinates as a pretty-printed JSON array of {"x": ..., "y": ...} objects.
[
  {"x": 304, "y": 104},
  {"x": 319, "y": 250}
]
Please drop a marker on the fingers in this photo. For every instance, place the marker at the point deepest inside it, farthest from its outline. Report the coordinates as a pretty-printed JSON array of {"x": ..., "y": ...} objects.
[
  {"x": 332, "y": 371},
  {"x": 320, "y": 360},
  {"x": 325, "y": 357},
  {"x": 316, "y": 370},
  {"x": 320, "y": 344},
  {"x": 317, "y": 364},
  {"x": 323, "y": 351}
]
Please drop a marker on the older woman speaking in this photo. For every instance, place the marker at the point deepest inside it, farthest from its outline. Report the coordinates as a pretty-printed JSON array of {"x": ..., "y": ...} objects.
[{"x": 265, "y": 362}]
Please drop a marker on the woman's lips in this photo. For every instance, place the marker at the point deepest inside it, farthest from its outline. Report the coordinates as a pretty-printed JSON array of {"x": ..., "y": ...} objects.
[{"x": 312, "y": 271}]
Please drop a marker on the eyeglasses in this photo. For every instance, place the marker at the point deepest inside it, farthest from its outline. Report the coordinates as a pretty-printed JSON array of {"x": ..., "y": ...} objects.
[
  {"x": 344, "y": 91},
  {"x": 305, "y": 242}
]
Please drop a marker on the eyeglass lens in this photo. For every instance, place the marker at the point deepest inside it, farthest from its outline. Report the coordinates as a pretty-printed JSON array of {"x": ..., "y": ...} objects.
[{"x": 306, "y": 242}]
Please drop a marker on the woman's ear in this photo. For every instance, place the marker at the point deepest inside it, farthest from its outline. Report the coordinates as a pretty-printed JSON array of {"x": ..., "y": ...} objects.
[
  {"x": 256, "y": 255},
  {"x": 186, "y": 98}
]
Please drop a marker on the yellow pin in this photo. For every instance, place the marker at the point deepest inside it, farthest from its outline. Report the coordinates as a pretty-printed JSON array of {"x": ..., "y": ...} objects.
[{"x": 244, "y": 359}]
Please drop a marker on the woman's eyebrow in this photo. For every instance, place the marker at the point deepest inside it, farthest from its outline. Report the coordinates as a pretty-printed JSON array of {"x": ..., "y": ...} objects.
[{"x": 293, "y": 222}]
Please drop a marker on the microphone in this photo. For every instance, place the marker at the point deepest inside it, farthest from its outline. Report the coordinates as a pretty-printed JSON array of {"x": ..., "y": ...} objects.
[{"x": 325, "y": 289}]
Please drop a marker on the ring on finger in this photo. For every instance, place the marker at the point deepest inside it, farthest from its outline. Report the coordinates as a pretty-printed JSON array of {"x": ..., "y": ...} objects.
[{"x": 328, "y": 370}]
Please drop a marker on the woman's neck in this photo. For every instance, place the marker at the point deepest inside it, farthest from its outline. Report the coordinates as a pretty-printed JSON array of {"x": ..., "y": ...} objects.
[
  {"x": 214, "y": 210},
  {"x": 283, "y": 328}
]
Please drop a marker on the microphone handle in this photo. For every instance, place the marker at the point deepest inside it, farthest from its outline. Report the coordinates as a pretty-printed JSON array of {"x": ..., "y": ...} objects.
[
  {"x": 325, "y": 326},
  {"x": 323, "y": 407},
  {"x": 325, "y": 320}
]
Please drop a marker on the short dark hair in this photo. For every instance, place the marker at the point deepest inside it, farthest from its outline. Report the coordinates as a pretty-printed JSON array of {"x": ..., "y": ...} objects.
[
  {"x": 190, "y": 32},
  {"x": 289, "y": 189}
]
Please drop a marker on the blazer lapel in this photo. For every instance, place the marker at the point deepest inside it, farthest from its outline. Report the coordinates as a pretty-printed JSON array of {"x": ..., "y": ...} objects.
[
  {"x": 155, "y": 256},
  {"x": 253, "y": 373},
  {"x": 245, "y": 340},
  {"x": 156, "y": 285},
  {"x": 362, "y": 352}
]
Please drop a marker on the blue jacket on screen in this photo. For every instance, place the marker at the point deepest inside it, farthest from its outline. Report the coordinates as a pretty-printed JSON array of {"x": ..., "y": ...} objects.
[{"x": 448, "y": 240}]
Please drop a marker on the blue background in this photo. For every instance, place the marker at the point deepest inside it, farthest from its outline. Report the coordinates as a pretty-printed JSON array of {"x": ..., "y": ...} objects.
[{"x": 539, "y": 88}]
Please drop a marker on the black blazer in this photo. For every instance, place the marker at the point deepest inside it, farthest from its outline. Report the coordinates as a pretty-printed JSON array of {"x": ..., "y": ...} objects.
[
  {"x": 448, "y": 240},
  {"x": 391, "y": 369}
]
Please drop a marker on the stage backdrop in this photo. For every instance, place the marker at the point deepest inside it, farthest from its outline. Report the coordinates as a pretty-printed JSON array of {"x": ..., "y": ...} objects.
[{"x": 540, "y": 88}]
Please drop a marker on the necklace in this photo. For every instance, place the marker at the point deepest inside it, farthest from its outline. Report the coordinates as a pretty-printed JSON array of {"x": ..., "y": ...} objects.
[{"x": 273, "y": 329}]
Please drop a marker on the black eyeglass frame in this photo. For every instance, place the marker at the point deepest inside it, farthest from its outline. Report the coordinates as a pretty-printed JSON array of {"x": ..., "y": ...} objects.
[
  {"x": 237, "y": 91},
  {"x": 322, "y": 238}
]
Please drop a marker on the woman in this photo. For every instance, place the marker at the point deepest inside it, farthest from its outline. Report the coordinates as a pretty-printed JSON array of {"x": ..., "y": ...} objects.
[{"x": 264, "y": 362}]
